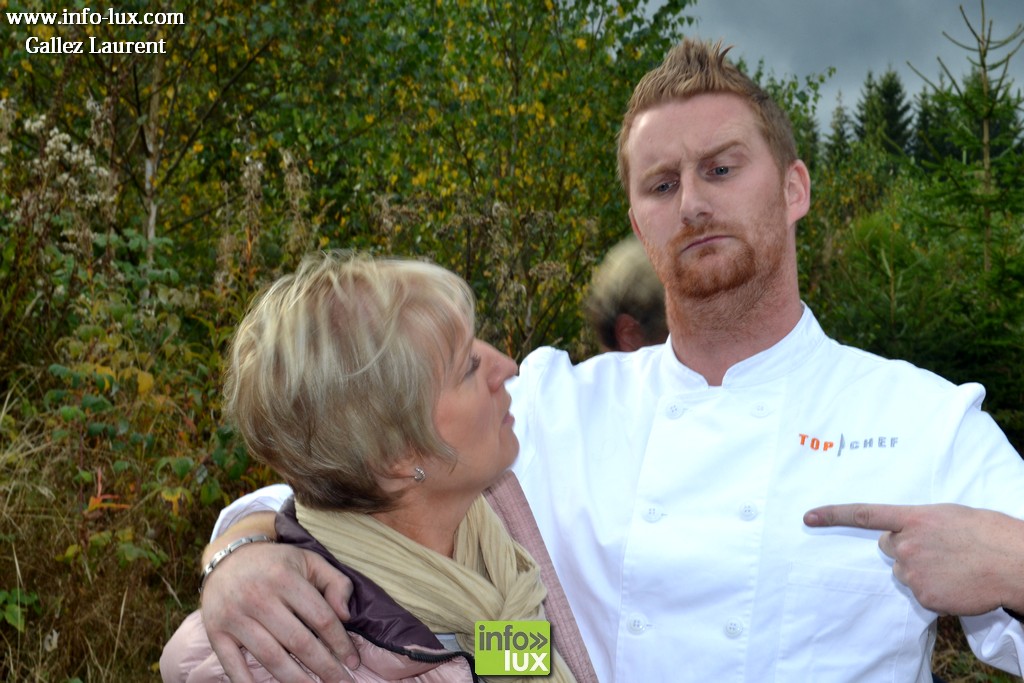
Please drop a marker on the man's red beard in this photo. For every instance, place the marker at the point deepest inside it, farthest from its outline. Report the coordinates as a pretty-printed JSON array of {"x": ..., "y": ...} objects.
[
  {"x": 723, "y": 265},
  {"x": 693, "y": 276}
]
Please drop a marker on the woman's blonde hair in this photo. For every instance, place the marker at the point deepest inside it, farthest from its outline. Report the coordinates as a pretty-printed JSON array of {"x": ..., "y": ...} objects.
[{"x": 335, "y": 371}]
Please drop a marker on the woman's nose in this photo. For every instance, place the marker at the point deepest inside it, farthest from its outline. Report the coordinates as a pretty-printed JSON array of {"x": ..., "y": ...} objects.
[{"x": 502, "y": 367}]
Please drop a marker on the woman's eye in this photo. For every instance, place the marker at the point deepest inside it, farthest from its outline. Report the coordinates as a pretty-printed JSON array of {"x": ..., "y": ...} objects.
[{"x": 474, "y": 364}]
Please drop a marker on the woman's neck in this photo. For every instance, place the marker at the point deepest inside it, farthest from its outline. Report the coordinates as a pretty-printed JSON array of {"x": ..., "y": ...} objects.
[{"x": 430, "y": 523}]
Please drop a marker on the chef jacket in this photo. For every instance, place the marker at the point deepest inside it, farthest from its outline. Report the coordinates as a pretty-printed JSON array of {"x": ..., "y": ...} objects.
[{"x": 672, "y": 510}]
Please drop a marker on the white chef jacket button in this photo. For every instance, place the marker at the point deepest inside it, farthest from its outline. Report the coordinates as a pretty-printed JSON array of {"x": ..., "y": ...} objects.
[
  {"x": 748, "y": 511},
  {"x": 673, "y": 410},
  {"x": 734, "y": 628},
  {"x": 760, "y": 409},
  {"x": 636, "y": 624},
  {"x": 653, "y": 513}
]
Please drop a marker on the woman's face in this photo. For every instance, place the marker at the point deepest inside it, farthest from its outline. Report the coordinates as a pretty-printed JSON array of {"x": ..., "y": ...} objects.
[{"x": 472, "y": 416}]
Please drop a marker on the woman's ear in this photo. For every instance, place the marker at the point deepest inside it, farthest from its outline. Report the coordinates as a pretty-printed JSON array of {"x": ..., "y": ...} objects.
[{"x": 401, "y": 473}]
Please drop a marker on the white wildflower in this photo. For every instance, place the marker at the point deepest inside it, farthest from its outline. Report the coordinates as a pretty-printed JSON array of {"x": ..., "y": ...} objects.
[{"x": 50, "y": 641}]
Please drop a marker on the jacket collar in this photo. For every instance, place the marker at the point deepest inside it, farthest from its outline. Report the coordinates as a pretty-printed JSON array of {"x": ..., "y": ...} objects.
[{"x": 774, "y": 362}]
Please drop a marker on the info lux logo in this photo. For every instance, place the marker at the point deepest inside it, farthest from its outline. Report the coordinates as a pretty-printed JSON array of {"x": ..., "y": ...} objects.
[{"x": 513, "y": 648}]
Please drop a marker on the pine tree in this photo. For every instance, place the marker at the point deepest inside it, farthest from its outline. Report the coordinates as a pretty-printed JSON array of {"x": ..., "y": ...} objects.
[
  {"x": 837, "y": 144},
  {"x": 979, "y": 120},
  {"x": 884, "y": 113},
  {"x": 932, "y": 140}
]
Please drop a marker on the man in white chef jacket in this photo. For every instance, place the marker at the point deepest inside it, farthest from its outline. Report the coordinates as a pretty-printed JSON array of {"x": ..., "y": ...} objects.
[{"x": 670, "y": 484}]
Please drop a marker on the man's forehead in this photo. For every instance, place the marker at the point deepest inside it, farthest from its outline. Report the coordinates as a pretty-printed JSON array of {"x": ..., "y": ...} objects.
[
  {"x": 694, "y": 127},
  {"x": 700, "y": 114}
]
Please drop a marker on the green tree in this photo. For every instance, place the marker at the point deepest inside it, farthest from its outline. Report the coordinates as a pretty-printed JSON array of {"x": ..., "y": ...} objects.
[
  {"x": 884, "y": 113},
  {"x": 929, "y": 271},
  {"x": 837, "y": 143},
  {"x": 800, "y": 100},
  {"x": 977, "y": 198},
  {"x": 982, "y": 121},
  {"x": 495, "y": 155},
  {"x": 933, "y": 126}
]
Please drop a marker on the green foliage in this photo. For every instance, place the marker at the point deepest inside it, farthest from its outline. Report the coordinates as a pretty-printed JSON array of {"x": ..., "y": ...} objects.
[
  {"x": 934, "y": 130},
  {"x": 145, "y": 198},
  {"x": 837, "y": 143},
  {"x": 14, "y": 604},
  {"x": 488, "y": 151},
  {"x": 884, "y": 113},
  {"x": 921, "y": 262},
  {"x": 848, "y": 187},
  {"x": 800, "y": 101}
]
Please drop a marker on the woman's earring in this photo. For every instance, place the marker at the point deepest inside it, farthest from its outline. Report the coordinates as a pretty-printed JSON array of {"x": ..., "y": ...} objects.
[{"x": 418, "y": 474}]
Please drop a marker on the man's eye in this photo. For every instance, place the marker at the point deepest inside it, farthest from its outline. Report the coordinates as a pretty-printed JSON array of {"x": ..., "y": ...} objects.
[
  {"x": 720, "y": 170},
  {"x": 664, "y": 187}
]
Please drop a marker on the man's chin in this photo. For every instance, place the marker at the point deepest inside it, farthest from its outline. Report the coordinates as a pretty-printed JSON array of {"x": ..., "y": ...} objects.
[{"x": 702, "y": 286}]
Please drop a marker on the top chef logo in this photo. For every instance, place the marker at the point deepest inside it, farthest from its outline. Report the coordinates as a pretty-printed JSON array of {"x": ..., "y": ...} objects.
[{"x": 831, "y": 447}]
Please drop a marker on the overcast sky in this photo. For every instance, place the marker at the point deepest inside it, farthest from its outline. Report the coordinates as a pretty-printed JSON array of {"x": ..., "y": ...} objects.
[{"x": 801, "y": 37}]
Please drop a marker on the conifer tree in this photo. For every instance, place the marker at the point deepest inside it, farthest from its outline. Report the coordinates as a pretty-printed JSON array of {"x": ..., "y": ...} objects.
[
  {"x": 884, "y": 113},
  {"x": 837, "y": 144}
]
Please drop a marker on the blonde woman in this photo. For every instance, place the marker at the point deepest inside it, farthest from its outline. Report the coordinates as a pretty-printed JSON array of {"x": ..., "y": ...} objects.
[{"x": 361, "y": 382}]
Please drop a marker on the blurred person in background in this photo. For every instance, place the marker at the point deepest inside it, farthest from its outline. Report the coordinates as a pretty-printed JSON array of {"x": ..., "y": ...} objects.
[{"x": 625, "y": 301}]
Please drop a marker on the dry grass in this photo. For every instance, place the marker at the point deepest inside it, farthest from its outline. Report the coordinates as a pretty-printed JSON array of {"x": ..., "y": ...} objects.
[
  {"x": 954, "y": 662},
  {"x": 93, "y": 617}
]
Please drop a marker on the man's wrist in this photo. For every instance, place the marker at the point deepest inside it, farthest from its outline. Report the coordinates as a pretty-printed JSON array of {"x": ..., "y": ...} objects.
[
  {"x": 251, "y": 525},
  {"x": 223, "y": 554}
]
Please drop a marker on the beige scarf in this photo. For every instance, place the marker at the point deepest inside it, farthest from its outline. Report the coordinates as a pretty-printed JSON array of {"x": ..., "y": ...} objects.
[{"x": 491, "y": 577}]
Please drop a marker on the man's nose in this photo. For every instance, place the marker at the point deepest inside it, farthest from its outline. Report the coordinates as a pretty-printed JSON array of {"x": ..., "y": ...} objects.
[{"x": 694, "y": 205}]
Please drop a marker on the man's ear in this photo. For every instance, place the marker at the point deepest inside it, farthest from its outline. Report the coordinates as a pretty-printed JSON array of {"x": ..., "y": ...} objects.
[
  {"x": 629, "y": 333},
  {"x": 797, "y": 190},
  {"x": 632, "y": 223}
]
